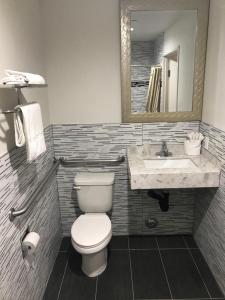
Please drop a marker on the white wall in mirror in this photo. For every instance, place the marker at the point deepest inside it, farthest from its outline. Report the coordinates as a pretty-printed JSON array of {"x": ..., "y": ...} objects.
[
  {"x": 182, "y": 34},
  {"x": 156, "y": 36}
]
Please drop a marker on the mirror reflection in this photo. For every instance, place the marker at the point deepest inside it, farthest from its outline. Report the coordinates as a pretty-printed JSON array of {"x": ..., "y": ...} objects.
[{"x": 162, "y": 60}]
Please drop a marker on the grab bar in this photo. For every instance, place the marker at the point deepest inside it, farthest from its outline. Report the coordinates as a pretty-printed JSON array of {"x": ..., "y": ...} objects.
[
  {"x": 71, "y": 162},
  {"x": 18, "y": 212}
]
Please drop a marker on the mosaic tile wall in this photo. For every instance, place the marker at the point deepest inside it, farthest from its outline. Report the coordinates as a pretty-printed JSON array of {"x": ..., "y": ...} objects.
[
  {"x": 18, "y": 179},
  {"x": 210, "y": 211},
  {"x": 159, "y": 49},
  {"x": 130, "y": 208},
  {"x": 143, "y": 56}
]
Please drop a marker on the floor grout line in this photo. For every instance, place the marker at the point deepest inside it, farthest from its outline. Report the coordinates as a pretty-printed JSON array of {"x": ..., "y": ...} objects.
[
  {"x": 189, "y": 250},
  {"x": 151, "y": 249},
  {"x": 171, "y": 295},
  {"x": 96, "y": 288},
  {"x": 64, "y": 273},
  {"x": 181, "y": 299},
  {"x": 131, "y": 272}
]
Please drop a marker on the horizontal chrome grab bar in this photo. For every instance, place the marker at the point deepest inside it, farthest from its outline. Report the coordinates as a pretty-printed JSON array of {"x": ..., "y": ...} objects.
[
  {"x": 18, "y": 212},
  {"x": 76, "y": 187},
  {"x": 69, "y": 162}
]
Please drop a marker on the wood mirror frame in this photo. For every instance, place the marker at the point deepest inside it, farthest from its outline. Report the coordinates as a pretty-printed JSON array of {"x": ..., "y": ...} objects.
[{"x": 127, "y": 6}]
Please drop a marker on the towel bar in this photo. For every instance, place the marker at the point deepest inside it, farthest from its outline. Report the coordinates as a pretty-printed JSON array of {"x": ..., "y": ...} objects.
[
  {"x": 18, "y": 90},
  {"x": 12, "y": 111},
  {"x": 18, "y": 212}
]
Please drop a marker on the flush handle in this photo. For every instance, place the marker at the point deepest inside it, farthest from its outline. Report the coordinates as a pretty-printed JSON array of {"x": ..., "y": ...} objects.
[{"x": 76, "y": 187}]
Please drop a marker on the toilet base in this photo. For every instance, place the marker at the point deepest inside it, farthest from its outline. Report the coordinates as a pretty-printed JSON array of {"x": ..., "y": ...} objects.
[{"x": 94, "y": 264}]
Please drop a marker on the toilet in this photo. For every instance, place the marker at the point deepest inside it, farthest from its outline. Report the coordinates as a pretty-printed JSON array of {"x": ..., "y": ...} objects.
[{"x": 92, "y": 231}]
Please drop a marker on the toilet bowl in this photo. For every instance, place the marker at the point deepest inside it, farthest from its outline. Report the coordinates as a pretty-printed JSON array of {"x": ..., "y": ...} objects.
[
  {"x": 90, "y": 235},
  {"x": 92, "y": 231}
]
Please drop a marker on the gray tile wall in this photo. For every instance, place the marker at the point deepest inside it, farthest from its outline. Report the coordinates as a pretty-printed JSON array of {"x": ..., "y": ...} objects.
[
  {"x": 130, "y": 208},
  {"x": 159, "y": 48},
  {"x": 18, "y": 179},
  {"x": 210, "y": 211},
  {"x": 143, "y": 56}
]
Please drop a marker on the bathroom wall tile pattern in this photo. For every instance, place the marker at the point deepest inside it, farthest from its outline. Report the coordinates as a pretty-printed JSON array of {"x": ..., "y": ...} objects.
[
  {"x": 181, "y": 210},
  {"x": 143, "y": 56},
  {"x": 210, "y": 211},
  {"x": 139, "y": 98},
  {"x": 159, "y": 49},
  {"x": 18, "y": 179},
  {"x": 142, "y": 53},
  {"x": 173, "y": 133},
  {"x": 97, "y": 141},
  {"x": 130, "y": 208}
]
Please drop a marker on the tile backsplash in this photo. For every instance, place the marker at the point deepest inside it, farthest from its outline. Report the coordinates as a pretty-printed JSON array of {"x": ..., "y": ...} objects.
[
  {"x": 130, "y": 208},
  {"x": 210, "y": 210},
  {"x": 18, "y": 179}
]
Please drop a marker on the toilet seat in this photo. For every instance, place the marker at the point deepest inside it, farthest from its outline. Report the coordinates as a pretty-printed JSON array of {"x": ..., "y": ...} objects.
[{"x": 91, "y": 230}]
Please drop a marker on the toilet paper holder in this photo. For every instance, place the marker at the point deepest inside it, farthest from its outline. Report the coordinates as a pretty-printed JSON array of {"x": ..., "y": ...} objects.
[{"x": 24, "y": 251}]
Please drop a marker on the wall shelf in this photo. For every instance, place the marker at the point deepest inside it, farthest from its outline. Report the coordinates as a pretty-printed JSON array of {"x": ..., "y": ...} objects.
[{"x": 18, "y": 86}]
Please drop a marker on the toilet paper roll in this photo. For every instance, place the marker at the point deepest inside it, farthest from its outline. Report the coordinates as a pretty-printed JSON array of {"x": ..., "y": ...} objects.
[{"x": 30, "y": 242}]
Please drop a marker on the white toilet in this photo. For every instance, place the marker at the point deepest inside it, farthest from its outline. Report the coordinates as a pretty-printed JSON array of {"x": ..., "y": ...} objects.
[{"x": 92, "y": 231}]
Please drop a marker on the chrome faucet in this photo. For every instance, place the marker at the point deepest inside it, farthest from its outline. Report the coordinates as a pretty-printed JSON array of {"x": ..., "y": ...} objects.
[{"x": 164, "y": 151}]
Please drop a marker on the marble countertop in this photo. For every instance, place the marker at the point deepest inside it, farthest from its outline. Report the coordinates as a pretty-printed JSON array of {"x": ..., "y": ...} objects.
[{"x": 205, "y": 173}]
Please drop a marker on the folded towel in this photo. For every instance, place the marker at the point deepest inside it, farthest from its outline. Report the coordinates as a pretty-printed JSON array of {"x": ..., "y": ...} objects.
[
  {"x": 195, "y": 136},
  {"x": 18, "y": 127},
  {"x": 14, "y": 79},
  {"x": 30, "y": 78},
  {"x": 33, "y": 130}
]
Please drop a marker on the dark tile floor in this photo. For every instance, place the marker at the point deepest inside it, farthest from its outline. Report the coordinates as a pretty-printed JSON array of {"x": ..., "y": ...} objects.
[{"x": 139, "y": 267}]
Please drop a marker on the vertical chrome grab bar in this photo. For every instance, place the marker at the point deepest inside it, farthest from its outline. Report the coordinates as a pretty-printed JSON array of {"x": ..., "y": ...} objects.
[{"x": 18, "y": 212}]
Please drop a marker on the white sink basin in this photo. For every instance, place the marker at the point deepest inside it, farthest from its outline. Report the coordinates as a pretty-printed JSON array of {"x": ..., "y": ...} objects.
[{"x": 169, "y": 164}]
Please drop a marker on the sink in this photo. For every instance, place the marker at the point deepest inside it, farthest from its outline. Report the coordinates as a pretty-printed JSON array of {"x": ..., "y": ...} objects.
[
  {"x": 148, "y": 171},
  {"x": 169, "y": 164}
]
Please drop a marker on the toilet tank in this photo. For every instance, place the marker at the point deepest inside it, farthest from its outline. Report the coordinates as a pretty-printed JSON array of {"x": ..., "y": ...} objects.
[{"x": 94, "y": 191}]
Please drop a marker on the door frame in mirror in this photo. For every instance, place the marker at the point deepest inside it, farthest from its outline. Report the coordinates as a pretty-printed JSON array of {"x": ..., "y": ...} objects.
[{"x": 126, "y": 7}]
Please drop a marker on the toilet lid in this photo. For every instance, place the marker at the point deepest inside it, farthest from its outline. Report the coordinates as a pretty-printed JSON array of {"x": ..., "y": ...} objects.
[{"x": 90, "y": 230}]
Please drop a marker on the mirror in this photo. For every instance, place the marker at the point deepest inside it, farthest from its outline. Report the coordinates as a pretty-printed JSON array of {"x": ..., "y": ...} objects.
[
  {"x": 163, "y": 45},
  {"x": 162, "y": 60}
]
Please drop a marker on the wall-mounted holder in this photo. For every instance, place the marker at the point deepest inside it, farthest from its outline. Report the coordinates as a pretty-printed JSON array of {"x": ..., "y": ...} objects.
[
  {"x": 19, "y": 93},
  {"x": 24, "y": 251}
]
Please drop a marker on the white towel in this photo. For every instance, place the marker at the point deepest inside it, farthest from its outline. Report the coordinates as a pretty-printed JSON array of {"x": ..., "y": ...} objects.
[
  {"x": 30, "y": 78},
  {"x": 18, "y": 127},
  {"x": 14, "y": 79},
  {"x": 33, "y": 130}
]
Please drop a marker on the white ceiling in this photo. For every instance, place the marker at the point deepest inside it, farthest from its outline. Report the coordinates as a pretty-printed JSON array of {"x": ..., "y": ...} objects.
[{"x": 149, "y": 24}]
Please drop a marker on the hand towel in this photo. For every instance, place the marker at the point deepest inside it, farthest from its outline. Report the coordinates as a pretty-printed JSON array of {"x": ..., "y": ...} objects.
[
  {"x": 33, "y": 130},
  {"x": 18, "y": 127},
  {"x": 195, "y": 138},
  {"x": 31, "y": 78}
]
